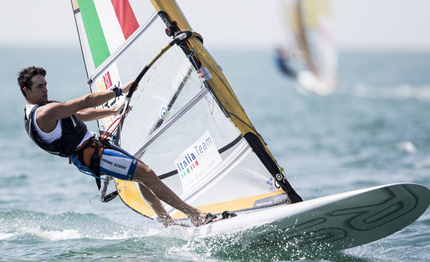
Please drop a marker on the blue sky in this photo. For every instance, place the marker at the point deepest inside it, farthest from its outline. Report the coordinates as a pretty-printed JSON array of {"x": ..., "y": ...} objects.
[{"x": 360, "y": 24}]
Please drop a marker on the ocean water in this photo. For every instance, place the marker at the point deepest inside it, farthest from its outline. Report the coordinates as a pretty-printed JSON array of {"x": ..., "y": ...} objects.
[{"x": 374, "y": 130}]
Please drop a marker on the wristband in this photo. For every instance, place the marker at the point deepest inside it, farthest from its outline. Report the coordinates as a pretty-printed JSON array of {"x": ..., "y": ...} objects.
[{"x": 117, "y": 90}]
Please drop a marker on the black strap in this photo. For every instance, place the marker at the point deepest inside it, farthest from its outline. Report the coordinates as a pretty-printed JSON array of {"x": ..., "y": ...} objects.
[{"x": 95, "y": 159}]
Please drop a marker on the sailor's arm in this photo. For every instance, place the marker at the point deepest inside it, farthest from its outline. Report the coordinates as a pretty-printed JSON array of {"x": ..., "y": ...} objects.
[
  {"x": 94, "y": 114},
  {"x": 90, "y": 114},
  {"x": 48, "y": 115},
  {"x": 94, "y": 99}
]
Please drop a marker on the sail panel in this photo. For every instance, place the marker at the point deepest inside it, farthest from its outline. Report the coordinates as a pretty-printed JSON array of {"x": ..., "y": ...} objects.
[
  {"x": 126, "y": 18},
  {"x": 104, "y": 26},
  {"x": 157, "y": 90},
  {"x": 94, "y": 32},
  {"x": 111, "y": 28},
  {"x": 186, "y": 123}
]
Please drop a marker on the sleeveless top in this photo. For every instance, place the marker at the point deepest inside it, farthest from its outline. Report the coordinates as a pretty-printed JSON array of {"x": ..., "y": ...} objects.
[{"x": 72, "y": 130}]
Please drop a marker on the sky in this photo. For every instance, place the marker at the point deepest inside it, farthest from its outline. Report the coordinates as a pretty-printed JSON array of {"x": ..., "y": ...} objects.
[{"x": 359, "y": 24}]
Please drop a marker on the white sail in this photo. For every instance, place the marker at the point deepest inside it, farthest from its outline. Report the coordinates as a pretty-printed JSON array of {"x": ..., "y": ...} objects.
[
  {"x": 311, "y": 23},
  {"x": 186, "y": 122}
]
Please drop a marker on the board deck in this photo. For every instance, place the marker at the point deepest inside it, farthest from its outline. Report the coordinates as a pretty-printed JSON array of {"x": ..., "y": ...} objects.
[{"x": 336, "y": 222}]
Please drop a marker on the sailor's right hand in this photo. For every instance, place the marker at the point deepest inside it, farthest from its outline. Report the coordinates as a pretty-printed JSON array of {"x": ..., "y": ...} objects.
[{"x": 120, "y": 108}]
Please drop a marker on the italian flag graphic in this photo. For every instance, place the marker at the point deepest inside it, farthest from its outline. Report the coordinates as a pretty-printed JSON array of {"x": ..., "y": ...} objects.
[{"x": 108, "y": 23}]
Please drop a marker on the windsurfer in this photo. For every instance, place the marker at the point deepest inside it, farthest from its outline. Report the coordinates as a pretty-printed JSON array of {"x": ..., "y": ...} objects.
[
  {"x": 58, "y": 128},
  {"x": 283, "y": 58}
]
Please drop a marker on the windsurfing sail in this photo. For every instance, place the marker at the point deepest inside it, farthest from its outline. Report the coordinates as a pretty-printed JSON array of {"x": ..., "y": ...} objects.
[
  {"x": 310, "y": 25},
  {"x": 186, "y": 122}
]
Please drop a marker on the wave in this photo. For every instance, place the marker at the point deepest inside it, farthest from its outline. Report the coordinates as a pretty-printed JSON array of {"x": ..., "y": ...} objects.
[
  {"x": 423, "y": 164},
  {"x": 53, "y": 227},
  {"x": 399, "y": 92}
]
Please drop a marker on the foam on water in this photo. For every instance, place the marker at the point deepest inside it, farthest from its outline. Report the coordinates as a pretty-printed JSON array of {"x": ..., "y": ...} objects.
[{"x": 400, "y": 92}]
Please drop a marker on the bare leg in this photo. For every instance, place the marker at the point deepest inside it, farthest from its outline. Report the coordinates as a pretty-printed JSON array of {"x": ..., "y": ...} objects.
[
  {"x": 150, "y": 181},
  {"x": 158, "y": 208}
]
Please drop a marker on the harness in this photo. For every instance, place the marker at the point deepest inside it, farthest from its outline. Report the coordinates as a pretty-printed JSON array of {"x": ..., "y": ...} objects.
[
  {"x": 87, "y": 159},
  {"x": 89, "y": 155}
]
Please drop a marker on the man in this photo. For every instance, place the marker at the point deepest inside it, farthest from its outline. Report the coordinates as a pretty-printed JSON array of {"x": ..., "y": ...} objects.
[
  {"x": 283, "y": 62},
  {"x": 58, "y": 128}
]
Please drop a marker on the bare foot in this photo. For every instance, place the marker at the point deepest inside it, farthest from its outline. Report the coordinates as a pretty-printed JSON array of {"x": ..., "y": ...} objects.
[
  {"x": 208, "y": 218},
  {"x": 198, "y": 218},
  {"x": 167, "y": 222},
  {"x": 175, "y": 223}
]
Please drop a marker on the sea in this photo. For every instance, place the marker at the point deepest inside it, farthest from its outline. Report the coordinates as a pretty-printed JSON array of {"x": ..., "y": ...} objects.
[{"x": 374, "y": 130}]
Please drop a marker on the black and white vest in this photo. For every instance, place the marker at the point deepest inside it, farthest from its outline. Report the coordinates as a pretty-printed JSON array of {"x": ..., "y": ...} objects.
[{"x": 73, "y": 131}]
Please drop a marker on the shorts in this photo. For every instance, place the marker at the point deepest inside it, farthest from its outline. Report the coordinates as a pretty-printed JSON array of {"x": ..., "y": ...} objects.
[
  {"x": 114, "y": 161},
  {"x": 117, "y": 164}
]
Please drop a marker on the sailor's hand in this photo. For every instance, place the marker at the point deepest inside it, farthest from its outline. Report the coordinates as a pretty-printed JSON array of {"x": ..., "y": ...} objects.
[
  {"x": 125, "y": 88},
  {"x": 120, "y": 108}
]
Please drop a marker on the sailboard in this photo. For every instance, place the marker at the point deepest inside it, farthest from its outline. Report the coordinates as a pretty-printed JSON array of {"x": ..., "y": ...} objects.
[
  {"x": 332, "y": 222},
  {"x": 186, "y": 122},
  {"x": 310, "y": 27}
]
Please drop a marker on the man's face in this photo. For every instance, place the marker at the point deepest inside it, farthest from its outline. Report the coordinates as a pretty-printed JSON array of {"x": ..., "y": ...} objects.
[{"x": 38, "y": 93}]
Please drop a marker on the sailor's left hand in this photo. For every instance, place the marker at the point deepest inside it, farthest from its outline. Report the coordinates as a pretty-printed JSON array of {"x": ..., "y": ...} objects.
[{"x": 125, "y": 88}]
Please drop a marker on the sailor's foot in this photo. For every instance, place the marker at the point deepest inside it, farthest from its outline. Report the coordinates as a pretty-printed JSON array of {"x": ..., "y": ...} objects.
[
  {"x": 169, "y": 221},
  {"x": 176, "y": 223},
  {"x": 173, "y": 223},
  {"x": 201, "y": 218},
  {"x": 209, "y": 218}
]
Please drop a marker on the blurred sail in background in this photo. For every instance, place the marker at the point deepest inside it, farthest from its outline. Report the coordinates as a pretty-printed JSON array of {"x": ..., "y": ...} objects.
[{"x": 310, "y": 55}]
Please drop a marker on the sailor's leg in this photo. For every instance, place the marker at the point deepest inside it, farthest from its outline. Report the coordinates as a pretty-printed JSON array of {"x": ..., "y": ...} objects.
[
  {"x": 152, "y": 188},
  {"x": 148, "y": 178},
  {"x": 156, "y": 205}
]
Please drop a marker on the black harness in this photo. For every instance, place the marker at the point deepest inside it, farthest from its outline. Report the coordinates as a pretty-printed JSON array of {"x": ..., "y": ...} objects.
[
  {"x": 94, "y": 167},
  {"x": 95, "y": 159}
]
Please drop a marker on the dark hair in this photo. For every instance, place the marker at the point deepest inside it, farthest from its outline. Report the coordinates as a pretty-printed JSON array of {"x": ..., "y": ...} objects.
[{"x": 26, "y": 74}]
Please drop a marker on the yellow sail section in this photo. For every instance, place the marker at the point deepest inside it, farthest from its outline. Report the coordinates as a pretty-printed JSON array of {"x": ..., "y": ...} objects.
[
  {"x": 75, "y": 4},
  {"x": 237, "y": 204},
  {"x": 130, "y": 194},
  {"x": 314, "y": 10},
  {"x": 302, "y": 38}
]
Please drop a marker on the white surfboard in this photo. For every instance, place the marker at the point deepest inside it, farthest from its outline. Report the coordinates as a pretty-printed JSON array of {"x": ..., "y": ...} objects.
[{"x": 335, "y": 222}]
